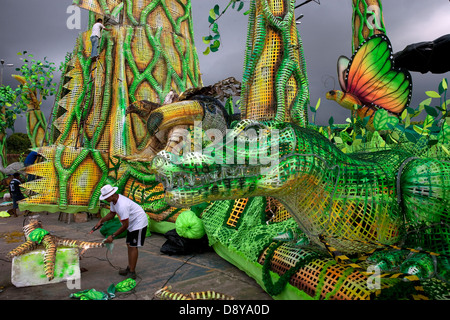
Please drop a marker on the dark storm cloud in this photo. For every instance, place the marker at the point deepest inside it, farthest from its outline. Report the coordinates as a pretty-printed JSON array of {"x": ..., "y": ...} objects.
[{"x": 40, "y": 28}]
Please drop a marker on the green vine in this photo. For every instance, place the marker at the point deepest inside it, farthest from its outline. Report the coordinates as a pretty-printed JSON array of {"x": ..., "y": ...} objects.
[
  {"x": 214, "y": 14},
  {"x": 321, "y": 278},
  {"x": 278, "y": 287}
]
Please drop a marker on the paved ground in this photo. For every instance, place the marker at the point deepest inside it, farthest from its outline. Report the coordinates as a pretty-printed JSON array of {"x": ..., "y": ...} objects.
[{"x": 197, "y": 272}]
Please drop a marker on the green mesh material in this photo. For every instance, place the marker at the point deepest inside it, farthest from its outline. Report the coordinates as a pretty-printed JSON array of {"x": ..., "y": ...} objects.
[
  {"x": 252, "y": 235},
  {"x": 357, "y": 202}
]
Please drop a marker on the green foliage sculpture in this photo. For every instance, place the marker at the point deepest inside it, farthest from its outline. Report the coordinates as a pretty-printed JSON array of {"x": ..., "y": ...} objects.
[{"x": 35, "y": 86}]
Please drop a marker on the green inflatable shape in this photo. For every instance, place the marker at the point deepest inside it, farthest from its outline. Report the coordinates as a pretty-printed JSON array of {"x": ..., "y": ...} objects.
[{"x": 188, "y": 225}]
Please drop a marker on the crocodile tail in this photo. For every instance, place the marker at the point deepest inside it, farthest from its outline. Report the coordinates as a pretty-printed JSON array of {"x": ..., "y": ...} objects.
[
  {"x": 30, "y": 226},
  {"x": 210, "y": 295},
  {"x": 83, "y": 245},
  {"x": 166, "y": 294},
  {"x": 49, "y": 256},
  {"x": 79, "y": 244},
  {"x": 27, "y": 246},
  {"x": 425, "y": 191}
]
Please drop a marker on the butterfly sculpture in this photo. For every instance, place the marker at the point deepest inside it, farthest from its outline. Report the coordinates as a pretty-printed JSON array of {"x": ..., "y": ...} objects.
[{"x": 370, "y": 81}]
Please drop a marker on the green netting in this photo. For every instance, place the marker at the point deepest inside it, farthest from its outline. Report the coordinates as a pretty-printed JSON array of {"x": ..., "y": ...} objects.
[{"x": 252, "y": 234}]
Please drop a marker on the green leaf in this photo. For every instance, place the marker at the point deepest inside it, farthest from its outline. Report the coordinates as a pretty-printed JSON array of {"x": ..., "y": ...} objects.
[
  {"x": 428, "y": 122},
  {"x": 207, "y": 51},
  {"x": 392, "y": 122},
  {"x": 395, "y": 136},
  {"x": 318, "y": 104},
  {"x": 331, "y": 121},
  {"x": 404, "y": 114},
  {"x": 212, "y": 14},
  {"x": 383, "y": 121},
  {"x": 445, "y": 150},
  {"x": 443, "y": 86},
  {"x": 207, "y": 39},
  {"x": 407, "y": 122},
  {"x": 241, "y": 5},
  {"x": 433, "y": 94},
  {"x": 445, "y": 132},
  {"x": 410, "y": 137},
  {"x": 380, "y": 120},
  {"x": 215, "y": 45},
  {"x": 215, "y": 28},
  {"x": 216, "y": 9},
  {"x": 410, "y": 110},
  {"x": 366, "y": 121},
  {"x": 431, "y": 111},
  {"x": 425, "y": 102},
  {"x": 445, "y": 104},
  {"x": 338, "y": 140}
]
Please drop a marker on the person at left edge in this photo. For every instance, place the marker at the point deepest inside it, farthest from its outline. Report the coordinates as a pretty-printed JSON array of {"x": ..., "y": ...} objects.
[
  {"x": 16, "y": 193},
  {"x": 133, "y": 219}
]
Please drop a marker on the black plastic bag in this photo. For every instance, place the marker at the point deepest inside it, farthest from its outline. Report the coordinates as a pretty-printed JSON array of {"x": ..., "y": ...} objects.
[{"x": 178, "y": 245}]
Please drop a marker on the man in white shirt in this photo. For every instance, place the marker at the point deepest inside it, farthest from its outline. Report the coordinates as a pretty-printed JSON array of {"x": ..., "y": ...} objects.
[
  {"x": 96, "y": 34},
  {"x": 133, "y": 219}
]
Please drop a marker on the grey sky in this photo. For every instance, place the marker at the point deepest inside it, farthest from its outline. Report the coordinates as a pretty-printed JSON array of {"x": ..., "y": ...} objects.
[{"x": 40, "y": 28}]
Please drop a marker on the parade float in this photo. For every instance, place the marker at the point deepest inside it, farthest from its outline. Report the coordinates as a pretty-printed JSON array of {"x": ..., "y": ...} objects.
[{"x": 345, "y": 211}]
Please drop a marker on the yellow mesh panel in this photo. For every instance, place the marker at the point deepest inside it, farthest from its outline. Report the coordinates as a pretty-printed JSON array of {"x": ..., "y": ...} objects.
[
  {"x": 83, "y": 181},
  {"x": 275, "y": 209},
  {"x": 321, "y": 277},
  {"x": 95, "y": 5},
  {"x": 239, "y": 206},
  {"x": 261, "y": 101}
]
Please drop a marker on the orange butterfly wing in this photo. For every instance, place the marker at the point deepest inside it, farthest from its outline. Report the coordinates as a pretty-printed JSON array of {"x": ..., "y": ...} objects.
[{"x": 372, "y": 78}]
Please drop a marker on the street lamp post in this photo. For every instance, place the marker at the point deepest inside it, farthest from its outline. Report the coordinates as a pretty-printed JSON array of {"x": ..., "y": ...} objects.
[{"x": 1, "y": 70}]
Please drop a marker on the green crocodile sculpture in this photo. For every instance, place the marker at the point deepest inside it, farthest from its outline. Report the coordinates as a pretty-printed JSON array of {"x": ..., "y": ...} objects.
[{"x": 357, "y": 202}]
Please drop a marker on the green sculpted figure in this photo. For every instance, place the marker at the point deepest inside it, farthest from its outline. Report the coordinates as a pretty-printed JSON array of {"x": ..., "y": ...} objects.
[{"x": 356, "y": 202}]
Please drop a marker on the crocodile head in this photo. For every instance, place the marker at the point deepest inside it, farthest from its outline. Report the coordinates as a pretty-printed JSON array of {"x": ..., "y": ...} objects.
[{"x": 250, "y": 160}]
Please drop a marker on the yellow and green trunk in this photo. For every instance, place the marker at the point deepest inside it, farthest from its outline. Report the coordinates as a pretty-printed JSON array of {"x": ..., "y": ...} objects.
[{"x": 149, "y": 51}]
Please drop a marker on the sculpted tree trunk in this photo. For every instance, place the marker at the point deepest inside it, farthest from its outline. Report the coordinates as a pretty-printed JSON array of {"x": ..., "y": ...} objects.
[
  {"x": 36, "y": 122},
  {"x": 2, "y": 140},
  {"x": 274, "y": 83},
  {"x": 149, "y": 52},
  {"x": 367, "y": 20}
]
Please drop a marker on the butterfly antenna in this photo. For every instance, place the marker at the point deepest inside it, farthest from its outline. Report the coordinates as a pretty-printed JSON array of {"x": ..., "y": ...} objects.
[{"x": 325, "y": 79}]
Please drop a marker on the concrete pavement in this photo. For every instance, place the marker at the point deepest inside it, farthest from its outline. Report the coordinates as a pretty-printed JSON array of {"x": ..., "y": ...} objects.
[{"x": 187, "y": 273}]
